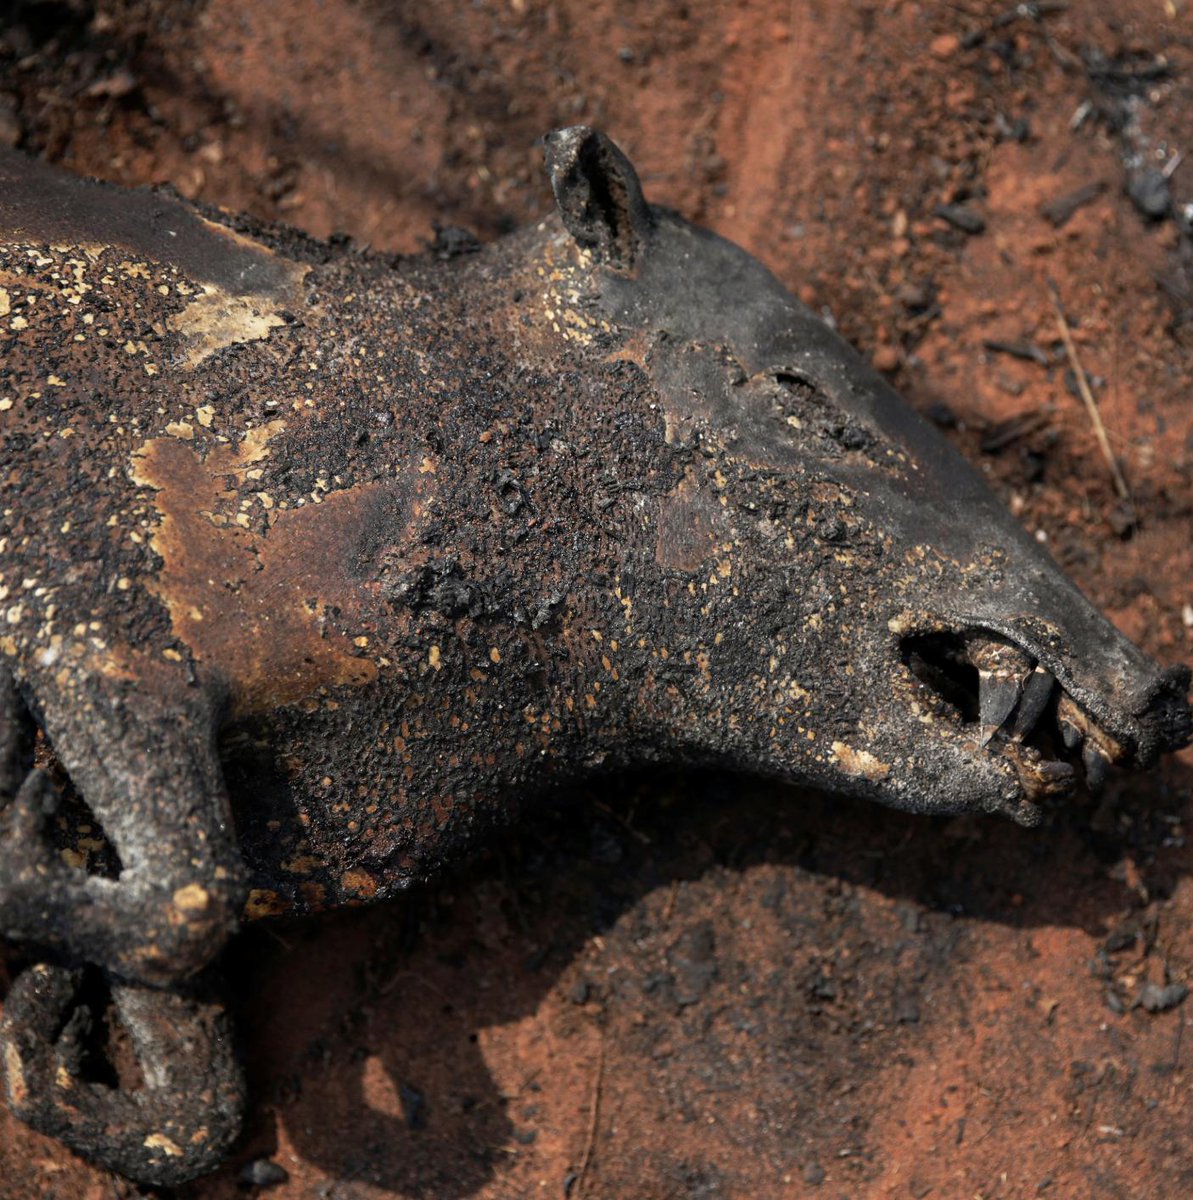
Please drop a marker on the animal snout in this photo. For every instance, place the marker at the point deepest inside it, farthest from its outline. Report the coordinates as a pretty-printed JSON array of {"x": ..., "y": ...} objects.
[
  {"x": 1016, "y": 710},
  {"x": 1167, "y": 722}
]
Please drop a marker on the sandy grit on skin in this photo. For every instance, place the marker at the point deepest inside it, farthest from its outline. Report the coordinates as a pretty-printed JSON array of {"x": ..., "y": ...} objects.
[{"x": 1046, "y": 1067}]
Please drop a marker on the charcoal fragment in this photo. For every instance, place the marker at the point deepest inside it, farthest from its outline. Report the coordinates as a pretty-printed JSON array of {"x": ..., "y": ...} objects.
[
  {"x": 1158, "y": 998},
  {"x": 961, "y": 216},
  {"x": 1149, "y": 192},
  {"x": 262, "y": 1172}
]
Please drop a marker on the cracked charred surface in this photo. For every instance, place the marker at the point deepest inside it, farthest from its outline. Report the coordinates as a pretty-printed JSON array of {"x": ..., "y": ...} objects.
[{"x": 354, "y": 555}]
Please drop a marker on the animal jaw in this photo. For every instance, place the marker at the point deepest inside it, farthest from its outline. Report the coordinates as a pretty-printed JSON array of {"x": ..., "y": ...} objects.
[
  {"x": 353, "y": 556},
  {"x": 859, "y": 539}
]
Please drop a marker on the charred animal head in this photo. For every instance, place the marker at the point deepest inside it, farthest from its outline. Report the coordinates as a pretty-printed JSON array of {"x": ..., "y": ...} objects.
[{"x": 870, "y": 617}]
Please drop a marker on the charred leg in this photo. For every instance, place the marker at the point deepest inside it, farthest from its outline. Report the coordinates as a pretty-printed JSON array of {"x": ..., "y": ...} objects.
[
  {"x": 150, "y": 775},
  {"x": 178, "y": 1124}
]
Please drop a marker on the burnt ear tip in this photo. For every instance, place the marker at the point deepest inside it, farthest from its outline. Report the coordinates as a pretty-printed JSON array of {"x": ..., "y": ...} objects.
[
  {"x": 598, "y": 193},
  {"x": 566, "y": 147},
  {"x": 564, "y": 141}
]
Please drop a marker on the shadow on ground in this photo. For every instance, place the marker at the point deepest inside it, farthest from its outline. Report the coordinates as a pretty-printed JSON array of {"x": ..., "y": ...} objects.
[{"x": 689, "y": 921}]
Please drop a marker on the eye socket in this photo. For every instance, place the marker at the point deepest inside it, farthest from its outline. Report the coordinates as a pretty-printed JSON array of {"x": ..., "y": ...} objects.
[
  {"x": 806, "y": 406},
  {"x": 792, "y": 381}
]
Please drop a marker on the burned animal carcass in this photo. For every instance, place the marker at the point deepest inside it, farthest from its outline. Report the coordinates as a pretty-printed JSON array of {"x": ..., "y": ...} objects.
[{"x": 316, "y": 564}]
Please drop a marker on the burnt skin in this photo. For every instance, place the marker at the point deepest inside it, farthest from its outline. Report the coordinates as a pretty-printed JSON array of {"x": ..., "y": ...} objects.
[{"x": 317, "y": 565}]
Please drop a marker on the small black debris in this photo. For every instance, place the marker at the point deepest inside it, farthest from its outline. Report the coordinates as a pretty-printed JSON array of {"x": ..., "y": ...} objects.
[
  {"x": 822, "y": 987},
  {"x": 916, "y": 297},
  {"x": 1149, "y": 193},
  {"x": 1121, "y": 938},
  {"x": 907, "y": 1012},
  {"x": 1019, "y": 349},
  {"x": 1122, "y": 519},
  {"x": 941, "y": 415},
  {"x": 1157, "y": 998},
  {"x": 262, "y": 1172},
  {"x": 961, "y": 216},
  {"x": 1096, "y": 384},
  {"x": 1060, "y": 210},
  {"x": 451, "y": 241},
  {"x": 1017, "y": 130},
  {"x": 414, "y": 1107},
  {"x": 1124, "y": 73},
  {"x": 814, "y": 1174},
  {"x": 1029, "y": 12}
]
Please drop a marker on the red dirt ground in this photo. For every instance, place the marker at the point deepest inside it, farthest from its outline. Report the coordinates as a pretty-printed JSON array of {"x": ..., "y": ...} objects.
[{"x": 683, "y": 988}]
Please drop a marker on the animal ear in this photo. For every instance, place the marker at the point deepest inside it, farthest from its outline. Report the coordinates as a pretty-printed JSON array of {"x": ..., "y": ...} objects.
[{"x": 599, "y": 196}]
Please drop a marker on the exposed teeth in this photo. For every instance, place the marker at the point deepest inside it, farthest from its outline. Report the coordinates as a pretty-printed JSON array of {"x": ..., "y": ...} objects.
[
  {"x": 1001, "y": 671},
  {"x": 1096, "y": 767},
  {"x": 1022, "y": 713},
  {"x": 1037, "y": 692},
  {"x": 1075, "y": 723},
  {"x": 1069, "y": 733},
  {"x": 1098, "y": 748},
  {"x": 997, "y": 697}
]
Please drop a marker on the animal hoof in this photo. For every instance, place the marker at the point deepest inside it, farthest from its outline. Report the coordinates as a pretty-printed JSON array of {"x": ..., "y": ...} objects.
[{"x": 177, "y": 1122}]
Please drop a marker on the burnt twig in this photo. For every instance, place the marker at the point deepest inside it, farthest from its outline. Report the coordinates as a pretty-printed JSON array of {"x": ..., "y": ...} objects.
[{"x": 1021, "y": 349}]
